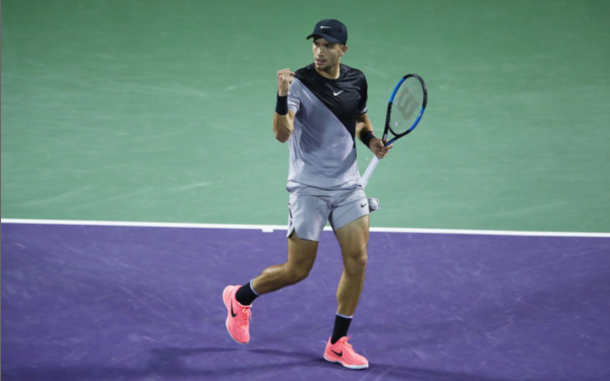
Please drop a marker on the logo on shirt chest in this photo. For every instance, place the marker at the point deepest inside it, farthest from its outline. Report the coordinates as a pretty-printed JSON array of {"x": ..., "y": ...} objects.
[{"x": 346, "y": 96}]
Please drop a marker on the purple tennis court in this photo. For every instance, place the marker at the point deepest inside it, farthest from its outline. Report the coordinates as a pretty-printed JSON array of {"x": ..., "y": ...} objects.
[{"x": 83, "y": 302}]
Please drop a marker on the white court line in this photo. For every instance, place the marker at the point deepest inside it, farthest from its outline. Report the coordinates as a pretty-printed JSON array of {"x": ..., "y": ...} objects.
[{"x": 271, "y": 228}]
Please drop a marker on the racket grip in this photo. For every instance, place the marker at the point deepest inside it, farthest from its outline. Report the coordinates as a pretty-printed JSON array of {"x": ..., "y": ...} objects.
[{"x": 364, "y": 180}]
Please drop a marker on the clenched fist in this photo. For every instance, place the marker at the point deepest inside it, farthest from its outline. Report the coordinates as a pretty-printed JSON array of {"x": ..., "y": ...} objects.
[{"x": 284, "y": 79}]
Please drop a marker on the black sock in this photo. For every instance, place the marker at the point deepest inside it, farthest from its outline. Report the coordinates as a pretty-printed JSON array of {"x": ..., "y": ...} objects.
[
  {"x": 341, "y": 326},
  {"x": 246, "y": 294}
]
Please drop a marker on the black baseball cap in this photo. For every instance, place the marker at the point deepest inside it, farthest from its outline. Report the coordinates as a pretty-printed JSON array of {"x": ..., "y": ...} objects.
[{"x": 331, "y": 30}]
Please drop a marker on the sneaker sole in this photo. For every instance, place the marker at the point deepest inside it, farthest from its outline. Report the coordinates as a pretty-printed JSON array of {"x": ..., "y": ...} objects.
[{"x": 345, "y": 365}]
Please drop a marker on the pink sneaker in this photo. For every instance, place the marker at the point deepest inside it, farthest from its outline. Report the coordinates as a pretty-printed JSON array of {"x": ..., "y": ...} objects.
[
  {"x": 238, "y": 316},
  {"x": 343, "y": 353}
]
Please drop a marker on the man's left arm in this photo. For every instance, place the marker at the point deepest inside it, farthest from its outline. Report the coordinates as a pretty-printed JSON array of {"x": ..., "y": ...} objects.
[{"x": 364, "y": 131}]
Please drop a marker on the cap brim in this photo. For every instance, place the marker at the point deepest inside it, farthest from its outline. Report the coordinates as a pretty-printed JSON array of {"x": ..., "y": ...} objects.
[{"x": 326, "y": 37}]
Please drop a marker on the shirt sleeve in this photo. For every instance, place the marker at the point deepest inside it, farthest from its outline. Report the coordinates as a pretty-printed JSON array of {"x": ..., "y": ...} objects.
[
  {"x": 364, "y": 96},
  {"x": 294, "y": 103}
]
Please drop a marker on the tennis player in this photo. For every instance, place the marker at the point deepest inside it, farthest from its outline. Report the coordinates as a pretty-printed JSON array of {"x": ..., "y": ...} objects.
[{"x": 320, "y": 111}]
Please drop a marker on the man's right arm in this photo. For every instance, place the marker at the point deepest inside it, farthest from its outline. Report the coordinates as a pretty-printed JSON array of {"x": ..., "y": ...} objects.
[
  {"x": 283, "y": 119},
  {"x": 283, "y": 125}
]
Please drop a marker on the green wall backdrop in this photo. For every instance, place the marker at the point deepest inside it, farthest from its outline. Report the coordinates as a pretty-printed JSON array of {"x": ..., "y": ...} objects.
[{"x": 149, "y": 110}]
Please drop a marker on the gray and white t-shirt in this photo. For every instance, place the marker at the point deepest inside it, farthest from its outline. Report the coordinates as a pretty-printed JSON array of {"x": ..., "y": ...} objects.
[{"x": 322, "y": 145}]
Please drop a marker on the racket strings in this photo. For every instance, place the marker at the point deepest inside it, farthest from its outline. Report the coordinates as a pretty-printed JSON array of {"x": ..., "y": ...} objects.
[{"x": 406, "y": 106}]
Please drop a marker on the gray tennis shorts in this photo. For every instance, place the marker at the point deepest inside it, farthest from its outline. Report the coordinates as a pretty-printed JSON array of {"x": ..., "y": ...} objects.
[{"x": 309, "y": 210}]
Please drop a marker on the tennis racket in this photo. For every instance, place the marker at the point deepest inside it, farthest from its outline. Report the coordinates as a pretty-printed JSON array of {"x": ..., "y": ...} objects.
[{"x": 405, "y": 110}]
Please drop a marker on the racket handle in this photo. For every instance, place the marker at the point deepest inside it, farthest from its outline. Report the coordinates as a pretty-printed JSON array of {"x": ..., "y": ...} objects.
[{"x": 369, "y": 171}]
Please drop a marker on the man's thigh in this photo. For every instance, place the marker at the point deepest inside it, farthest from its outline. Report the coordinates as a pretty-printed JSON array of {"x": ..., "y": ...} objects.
[{"x": 354, "y": 237}]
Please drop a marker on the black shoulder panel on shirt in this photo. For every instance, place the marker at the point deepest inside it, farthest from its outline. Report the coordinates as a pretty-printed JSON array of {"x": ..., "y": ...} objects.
[{"x": 345, "y": 96}]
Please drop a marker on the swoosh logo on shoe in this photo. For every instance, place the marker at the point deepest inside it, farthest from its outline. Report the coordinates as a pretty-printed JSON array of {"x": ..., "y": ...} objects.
[
  {"x": 232, "y": 313},
  {"x": 340, "y": 354}
]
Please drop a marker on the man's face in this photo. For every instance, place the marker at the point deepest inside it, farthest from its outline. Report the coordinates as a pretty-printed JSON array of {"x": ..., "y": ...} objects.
[{"x": 327, "y": 55}]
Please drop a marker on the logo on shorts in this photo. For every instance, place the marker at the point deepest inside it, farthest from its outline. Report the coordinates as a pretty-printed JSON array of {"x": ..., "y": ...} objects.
[{"x": 363, "y": 205}]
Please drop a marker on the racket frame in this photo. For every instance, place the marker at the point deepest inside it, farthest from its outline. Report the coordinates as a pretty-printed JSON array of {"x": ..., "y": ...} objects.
[{"x": 387, "y": 128}]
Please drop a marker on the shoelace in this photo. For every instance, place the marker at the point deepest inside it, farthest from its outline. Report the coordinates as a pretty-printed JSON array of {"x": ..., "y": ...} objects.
[
  {"x": 243, "y": 316},
  {"x": 346, "y": 343}
]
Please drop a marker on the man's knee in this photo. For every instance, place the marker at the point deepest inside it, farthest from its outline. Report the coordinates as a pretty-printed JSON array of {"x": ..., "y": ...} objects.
[
  {"x": 296, "y": 274},
  {"x": 356, "y": 263}
]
